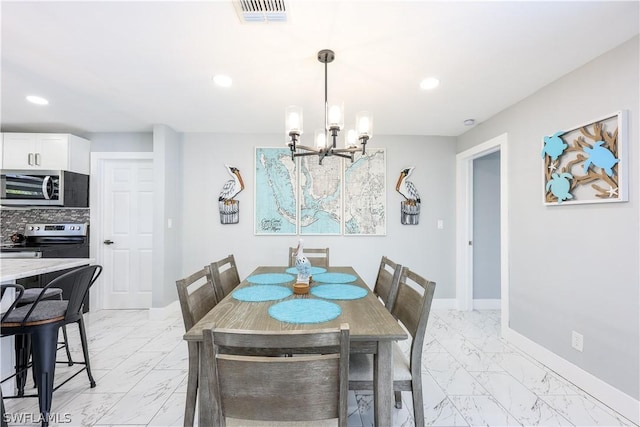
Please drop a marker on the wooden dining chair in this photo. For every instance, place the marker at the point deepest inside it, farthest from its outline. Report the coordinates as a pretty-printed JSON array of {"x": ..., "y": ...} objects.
[
  {"x": 225, "y": 276},
  {"x": 306, "y": 387},
  {"x": 411, "y": 307},
  {"x": 318, "y": 257},
  {"x": 386, "y": 286},
  {"x": 197, "y": 297}
]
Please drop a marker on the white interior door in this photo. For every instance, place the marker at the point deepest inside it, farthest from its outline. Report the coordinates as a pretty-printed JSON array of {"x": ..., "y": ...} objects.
[{"x": 127, "y": 233}]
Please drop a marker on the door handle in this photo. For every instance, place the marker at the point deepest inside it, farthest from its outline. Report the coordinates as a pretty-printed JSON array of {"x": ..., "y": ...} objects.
[
  {"x": 108, "y": 242},
  {"x": 37, "y": 159},
  {"x": 30, "y": 159}
]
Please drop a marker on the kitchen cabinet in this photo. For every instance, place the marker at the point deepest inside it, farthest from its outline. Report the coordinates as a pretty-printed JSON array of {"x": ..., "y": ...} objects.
[{"x": 46, "y": 151}]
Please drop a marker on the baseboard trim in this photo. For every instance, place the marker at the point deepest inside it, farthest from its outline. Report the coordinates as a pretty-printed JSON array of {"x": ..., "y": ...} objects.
[
  {"x": 487, "y": 304},
  {"x": 604, "y": 392},
  {"x": 444, "y": 303},
  {"x": 161, "y": 313}
]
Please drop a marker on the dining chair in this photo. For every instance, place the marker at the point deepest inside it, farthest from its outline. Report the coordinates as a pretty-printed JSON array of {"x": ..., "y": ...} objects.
[
  {"x": 305, "y": 387},
  {"x": 411, "y": 307},
  {"x": 386, "y": 285},
  {"x": 318, "y": 257},
  {"x": 23, "y": 343},
  {"x": 42, "y": 320},
  {"x": 225, "y": 276},
  {"x": 197, "y": 297}
]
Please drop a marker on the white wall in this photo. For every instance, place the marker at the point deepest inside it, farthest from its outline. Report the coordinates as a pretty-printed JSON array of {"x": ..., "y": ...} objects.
[
  {"x": 121, "y": 141},
  {"x": 422, "y": 247},
  {"x": 168, "y": 208},
  {"x": 575, "y": 267}
]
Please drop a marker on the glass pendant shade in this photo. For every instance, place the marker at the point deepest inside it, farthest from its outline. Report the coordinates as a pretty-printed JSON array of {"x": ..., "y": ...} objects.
[
  {"x": 364, "y": 124},
  {"x": 351, "y": 139},
  {"x": 320, "y": 139},
  {"x": 335, "y": 116},
  {"x": 293, "y": 119}
]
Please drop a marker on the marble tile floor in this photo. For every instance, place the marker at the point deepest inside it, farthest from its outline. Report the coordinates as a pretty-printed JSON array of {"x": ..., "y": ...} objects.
[{"x": 470, "y": 377}]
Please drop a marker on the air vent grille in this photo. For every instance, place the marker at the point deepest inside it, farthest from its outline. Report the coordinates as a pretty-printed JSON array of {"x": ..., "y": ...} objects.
[{"x": 261, "y": 10}]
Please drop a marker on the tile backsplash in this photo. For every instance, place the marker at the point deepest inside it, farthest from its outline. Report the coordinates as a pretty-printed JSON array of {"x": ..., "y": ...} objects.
[{"x": 14, "y": 220}]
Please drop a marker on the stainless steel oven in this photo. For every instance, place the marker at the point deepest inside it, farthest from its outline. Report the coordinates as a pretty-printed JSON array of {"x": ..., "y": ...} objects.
[
  {"x": 44, "y": 188},
  {"x": 69, "y": 240}
]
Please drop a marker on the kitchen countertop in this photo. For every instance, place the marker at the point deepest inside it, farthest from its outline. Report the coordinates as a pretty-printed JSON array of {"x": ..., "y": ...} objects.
[{"x": 18, "y": 268}]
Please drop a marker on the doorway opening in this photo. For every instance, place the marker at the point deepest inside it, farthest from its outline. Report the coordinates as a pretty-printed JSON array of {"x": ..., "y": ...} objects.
[{"x": 465, "y": 225}]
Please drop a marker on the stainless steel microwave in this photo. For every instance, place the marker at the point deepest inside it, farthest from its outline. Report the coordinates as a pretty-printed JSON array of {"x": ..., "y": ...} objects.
[{"x": 44, "y": 188}]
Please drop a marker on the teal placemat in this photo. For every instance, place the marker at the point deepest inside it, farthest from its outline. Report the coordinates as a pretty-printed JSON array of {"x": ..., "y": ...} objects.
[
  {"x": 314, "y": 270},
  {"x": 261, "y": 293},
  {"x": 305, "y": 311},
  {"x": 339, "y": 291},
  {"x": 334, "y": 278},
  {"x": 270, "y": 278}
]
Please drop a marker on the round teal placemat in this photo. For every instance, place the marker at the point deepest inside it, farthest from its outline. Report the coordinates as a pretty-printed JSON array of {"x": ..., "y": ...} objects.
[
  {"x": 261, "y": 293},
  {"x": 270, "y": 278},
  {"x": 314, "y": 270},
  {"x": 339, "y": 291},
  {"x": 334, "y": 278},
  {"x": 305, "y": 311}
]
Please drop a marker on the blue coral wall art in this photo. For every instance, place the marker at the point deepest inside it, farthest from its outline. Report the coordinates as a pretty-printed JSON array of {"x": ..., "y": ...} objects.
[{"x": 587, "y": 163}]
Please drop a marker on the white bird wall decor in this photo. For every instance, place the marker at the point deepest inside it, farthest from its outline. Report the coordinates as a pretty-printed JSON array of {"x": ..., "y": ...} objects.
[
  {"x": 233, "y": 186},
  {"x": 406, "y": 187},
  {"x": 410, "y": 206},
  {"x": 230, "y": 207}
]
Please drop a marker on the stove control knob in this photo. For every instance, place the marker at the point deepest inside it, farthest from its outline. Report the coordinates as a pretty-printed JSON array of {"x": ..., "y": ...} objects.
[
  {"x": 73, "y": 227},
  {"x": 37, "y": 228},
  {"x": 31, "y": 228}
]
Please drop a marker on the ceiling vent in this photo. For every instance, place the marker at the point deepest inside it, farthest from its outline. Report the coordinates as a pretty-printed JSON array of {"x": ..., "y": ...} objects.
[{"x": 262, "y": 10}]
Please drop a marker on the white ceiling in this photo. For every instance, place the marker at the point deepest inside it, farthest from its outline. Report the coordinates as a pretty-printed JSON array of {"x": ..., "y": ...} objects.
[{"x": 125, "y": 66}]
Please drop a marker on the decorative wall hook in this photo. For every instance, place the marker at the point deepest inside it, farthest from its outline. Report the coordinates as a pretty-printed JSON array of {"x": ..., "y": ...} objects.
[
  {"x": 229, "y": 207},
  {"x": 410, "y": 207}
]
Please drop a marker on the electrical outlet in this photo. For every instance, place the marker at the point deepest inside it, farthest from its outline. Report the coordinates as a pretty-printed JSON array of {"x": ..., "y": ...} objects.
[{"x": 577, "y": 340}]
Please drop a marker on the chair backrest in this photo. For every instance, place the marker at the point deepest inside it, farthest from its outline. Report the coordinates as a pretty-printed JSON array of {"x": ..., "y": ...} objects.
[
  {"x": 300, "y": 388},
  {"x": 225, "y": 276},
  {"x": 79, "y": 281},
  {"x": 197, "y": 296},
  {"x": 19, "y": 290},
  {"x": 386, "y": 286},
  {"x": 412, "y": 306},
  {"x": 318, "y": 257}
]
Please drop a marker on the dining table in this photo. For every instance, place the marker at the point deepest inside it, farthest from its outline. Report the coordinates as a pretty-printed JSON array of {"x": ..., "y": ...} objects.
[{"x": 337, "y": 295}]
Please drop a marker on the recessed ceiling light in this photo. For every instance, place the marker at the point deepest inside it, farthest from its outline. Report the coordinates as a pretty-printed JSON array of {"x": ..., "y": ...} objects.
[
  {"x": 429, "y": 83},
  {"x": 222, "y": 80},
  {"x": 469, "y": 122},
  {"x": 37, "y": 100}
]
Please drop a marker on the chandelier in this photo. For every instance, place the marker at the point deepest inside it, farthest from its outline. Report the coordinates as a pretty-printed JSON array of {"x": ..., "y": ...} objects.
[{"x": 326, "y": 139}]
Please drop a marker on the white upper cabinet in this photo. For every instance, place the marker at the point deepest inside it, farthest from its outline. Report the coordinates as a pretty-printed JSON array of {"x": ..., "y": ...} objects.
[{"x": 46, "y": 151}]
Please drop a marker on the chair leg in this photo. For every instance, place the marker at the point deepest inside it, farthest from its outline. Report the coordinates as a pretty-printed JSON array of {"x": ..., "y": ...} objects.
[
  {"x": 418, "y": 404},
  {"x": 192, "y": 384},
  {"x": 85, "y": 351},
  {"x": 45, "y": 342},
  {"x": 66, "y": 342},
  {"x": 22, "y": 344},
  {"x": 398, "y": 395},
  {"x": 66, "y": 345}
]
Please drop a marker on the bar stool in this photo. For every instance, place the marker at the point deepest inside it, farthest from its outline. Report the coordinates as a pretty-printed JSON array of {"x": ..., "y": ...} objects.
[
  {"x": 42, "y": 320},
  {"x": 23, "y": 342}
]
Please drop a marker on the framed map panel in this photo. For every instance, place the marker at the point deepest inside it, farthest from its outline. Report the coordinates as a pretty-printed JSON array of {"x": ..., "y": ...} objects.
[
  {"x": 320, "y": 190},
  {"x": 365, "y": 194},
  {"x": 275, "y": 192}
]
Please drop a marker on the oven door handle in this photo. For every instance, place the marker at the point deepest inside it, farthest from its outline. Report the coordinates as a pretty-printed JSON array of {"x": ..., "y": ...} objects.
[{"x": 45, "y": 188}]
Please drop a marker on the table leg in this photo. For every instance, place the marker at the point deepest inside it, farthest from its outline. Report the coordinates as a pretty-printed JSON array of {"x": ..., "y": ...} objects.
[{"x": 383, "y": 383}]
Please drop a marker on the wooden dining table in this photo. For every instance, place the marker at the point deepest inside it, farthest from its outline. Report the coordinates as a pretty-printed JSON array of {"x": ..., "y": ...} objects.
[{"x": 372, "y": 330}]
